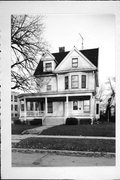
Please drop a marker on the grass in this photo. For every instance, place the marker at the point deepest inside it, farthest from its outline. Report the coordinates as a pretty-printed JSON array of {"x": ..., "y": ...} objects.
[
  {"x": 19, "y": 128},
  {"x": 104, "y": 129},
  {"x": 95, "y": 145}
]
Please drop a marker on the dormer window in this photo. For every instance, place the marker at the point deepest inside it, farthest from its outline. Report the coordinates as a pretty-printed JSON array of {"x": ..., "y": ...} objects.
[
  {"x": 48, "y": 67},
  {"x": 49, "y": 88},
  {"x": 74, "y": 62}
]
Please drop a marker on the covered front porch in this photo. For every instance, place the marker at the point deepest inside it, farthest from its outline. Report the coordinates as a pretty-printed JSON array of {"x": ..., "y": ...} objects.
[{"x": 52, "y": 108}]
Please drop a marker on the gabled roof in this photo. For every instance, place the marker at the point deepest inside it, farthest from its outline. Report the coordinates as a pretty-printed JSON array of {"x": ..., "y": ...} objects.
[{"x": 90, "y": 54}]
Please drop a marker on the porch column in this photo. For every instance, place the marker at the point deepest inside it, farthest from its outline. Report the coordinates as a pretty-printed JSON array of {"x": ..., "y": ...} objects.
[
  {"x": 46, "y": 108},
  {"x": 25, "y": 110},
  {"x": 66, "y": 106},
  {"x": 92, "y": 109}
]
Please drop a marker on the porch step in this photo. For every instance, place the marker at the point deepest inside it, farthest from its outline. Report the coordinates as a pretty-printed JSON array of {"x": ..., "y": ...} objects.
[{"x": 48, "y": 121}]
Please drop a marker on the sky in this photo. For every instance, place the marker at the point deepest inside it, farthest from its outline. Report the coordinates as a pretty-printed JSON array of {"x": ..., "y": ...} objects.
[{"x": 98, "y": 31}]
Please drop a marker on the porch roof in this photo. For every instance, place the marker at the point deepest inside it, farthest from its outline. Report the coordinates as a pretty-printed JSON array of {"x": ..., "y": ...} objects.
[{"x": 56, "y": 94}]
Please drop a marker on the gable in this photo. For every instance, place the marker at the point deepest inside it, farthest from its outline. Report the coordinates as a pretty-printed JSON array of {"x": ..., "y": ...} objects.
[
  {"x": 75, "y": 60},
  {"x": 47, "y": 56},
  {"x": 90, "y": 54}
]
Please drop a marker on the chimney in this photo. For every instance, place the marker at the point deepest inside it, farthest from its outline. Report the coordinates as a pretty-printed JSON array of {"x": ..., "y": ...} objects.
[{"x": 62, "y": 49}]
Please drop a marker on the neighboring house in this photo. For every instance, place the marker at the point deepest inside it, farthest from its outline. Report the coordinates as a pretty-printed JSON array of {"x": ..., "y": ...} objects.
[
  {"x": 68, "y": 83},
  {"x": 14, "y": 105}
]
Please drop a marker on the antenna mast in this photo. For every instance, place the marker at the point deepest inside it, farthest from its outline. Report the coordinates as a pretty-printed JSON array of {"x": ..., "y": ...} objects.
[{"x": 82, "y": 39}]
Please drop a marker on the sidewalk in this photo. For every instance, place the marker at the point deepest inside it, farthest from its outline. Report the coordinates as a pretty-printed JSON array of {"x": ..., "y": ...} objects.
[{"x": 18, "y": 138}]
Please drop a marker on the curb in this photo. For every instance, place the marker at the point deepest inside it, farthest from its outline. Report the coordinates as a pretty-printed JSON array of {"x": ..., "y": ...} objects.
[{"x": 65, "y": 152}]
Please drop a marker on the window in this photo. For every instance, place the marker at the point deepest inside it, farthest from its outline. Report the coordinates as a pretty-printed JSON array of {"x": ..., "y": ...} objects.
[
  {"x": 16, "y": 115},
  {"x": 48, "y": 66},
  {"x": 97, "y": 108},
  {"x": 11, "y": 107},
  {"x": 74, "y": 62},
  {"x": 16, "y": 107},
  {"x": 75, "y": 105},
  {"x": 66, "y": 82},
  {"x": 22, "y": 107},
  {"x": 86, "y": 105},
  {"x": 48, "y": 87},
  {"x": 50, "y": 107},
  {"x": 11, "y": 97},
  {"x": 15, "y": 98},
  {"x": 74, "y": 81},
  {"x": 83, "y": 81}
]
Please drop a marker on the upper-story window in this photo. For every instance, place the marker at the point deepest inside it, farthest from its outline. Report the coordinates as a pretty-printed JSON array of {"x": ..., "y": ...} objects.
[
  {"x": 16, "y": 108},
  {"x": 15, "y": 98},
  {"x": 74, "y": 81},
  {"x": 66, "y": 82},
  {"x": 83, "y": 81},
  {"x": 49, "y": 87},
  {"x": 11, "y": 97},
  {"x": 48, "y": 66},
  {"x": 74, "y": 62}
]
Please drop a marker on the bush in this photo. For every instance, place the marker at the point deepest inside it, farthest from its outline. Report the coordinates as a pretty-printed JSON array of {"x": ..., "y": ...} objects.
[
  {"x": 103, "y": 117},
  {"x": 85, "y": 121},
  {"x": 71, "y": 121},
  {"x": 17, "y": 121},
  {"x": 36, "y": 122}
]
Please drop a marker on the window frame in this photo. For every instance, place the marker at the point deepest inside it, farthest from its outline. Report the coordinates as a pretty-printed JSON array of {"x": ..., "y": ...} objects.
[
  {"x": 67, "y": 82},
  {"x": 15, "y": 98},
  {"x": 49, "y": 68},
  {"x": 16, "y": 109},
  {"x": 50, "y": 107},
  {"x": 75, "y": 105},
  {"x": 83, "y": 81},
  {"x": 74, "y": 64},
  {"x": 50, "y": 87},
  {"x": 86, "y": 106},
  {"x": 97, "y": 108},
  {"x": 77, "y": 81}
]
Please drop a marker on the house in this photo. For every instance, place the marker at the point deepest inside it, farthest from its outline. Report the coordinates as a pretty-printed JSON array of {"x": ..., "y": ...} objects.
[
  {"x": 14, "y": 105},
  {"x": 67, "y": 86}
]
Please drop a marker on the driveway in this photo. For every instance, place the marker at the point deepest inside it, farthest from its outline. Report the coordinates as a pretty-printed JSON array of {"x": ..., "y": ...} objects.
[{"x": 46, "y": 159}]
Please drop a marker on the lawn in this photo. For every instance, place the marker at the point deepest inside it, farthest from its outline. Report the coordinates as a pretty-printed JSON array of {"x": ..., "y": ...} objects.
[
  {"x": 19, "y": 128},
  {"x": 95, "y": 145},
  {"x": 104, "y": 129}
]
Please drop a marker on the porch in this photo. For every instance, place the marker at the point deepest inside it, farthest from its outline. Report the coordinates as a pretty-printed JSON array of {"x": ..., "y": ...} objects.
[{"x": 56, "y": 109}]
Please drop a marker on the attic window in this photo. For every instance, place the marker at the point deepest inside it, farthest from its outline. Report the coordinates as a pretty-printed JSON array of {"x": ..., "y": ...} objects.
[
  {"x": 48, "y": 67},
  {"x": 74, "y": 62}
]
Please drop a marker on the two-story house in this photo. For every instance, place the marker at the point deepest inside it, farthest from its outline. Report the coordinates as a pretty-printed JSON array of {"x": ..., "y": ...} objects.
[{"x": 67, "y": 84}]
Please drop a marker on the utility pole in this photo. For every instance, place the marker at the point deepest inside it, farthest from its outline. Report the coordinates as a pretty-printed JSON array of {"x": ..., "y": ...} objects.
[{"x": 82, "y": 40}]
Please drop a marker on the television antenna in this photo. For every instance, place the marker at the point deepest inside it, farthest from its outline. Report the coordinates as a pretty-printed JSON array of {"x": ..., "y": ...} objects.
[{"x": 82, "y": 39}]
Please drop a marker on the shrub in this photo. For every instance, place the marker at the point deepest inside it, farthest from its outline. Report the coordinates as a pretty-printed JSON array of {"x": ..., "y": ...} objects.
[
  {"x": 71, "y": 121},
  {"x": 85, "y": 121},
  {"x": 103, "y": 117},
  {"x": 36, "y": 122},
  {"x": 17, "y": 121}
]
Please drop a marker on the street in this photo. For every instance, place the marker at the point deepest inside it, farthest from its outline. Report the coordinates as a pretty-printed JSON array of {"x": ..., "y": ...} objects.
[{"x": 46, "y": 159}]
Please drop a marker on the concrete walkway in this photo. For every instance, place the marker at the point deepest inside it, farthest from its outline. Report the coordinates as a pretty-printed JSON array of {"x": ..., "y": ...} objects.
[
  {"x": 36, "y": 130},
  {"x": 18, "y": 138}
]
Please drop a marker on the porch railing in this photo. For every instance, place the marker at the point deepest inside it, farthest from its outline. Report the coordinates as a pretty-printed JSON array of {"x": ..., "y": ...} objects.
[{"x": 35, "y": 113}]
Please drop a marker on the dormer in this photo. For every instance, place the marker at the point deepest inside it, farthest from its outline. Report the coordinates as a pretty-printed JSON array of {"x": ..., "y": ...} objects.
[{"x": 49, "y": 62}]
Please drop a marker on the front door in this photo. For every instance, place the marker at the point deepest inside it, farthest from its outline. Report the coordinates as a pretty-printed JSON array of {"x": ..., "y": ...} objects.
[{"x": 77, "y": 107}]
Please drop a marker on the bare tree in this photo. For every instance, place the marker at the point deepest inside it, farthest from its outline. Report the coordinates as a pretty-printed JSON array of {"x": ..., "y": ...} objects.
[
  {"x": 106, "y": 95},
  {"x": 26, "y": 42}
]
